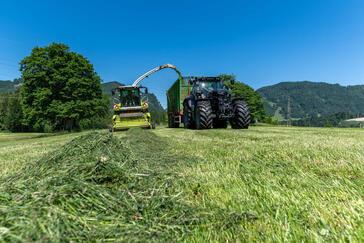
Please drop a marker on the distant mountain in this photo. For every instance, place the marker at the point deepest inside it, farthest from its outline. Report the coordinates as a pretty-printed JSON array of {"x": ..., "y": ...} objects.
[
  {"x": 7, "y": 86},
  {"x": 154, "y": 104},
  {"x": 311, "y": 99},
  {"x": 107, "y": 87}
]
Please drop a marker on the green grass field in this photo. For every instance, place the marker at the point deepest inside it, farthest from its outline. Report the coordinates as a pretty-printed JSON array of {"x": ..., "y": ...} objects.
[{"x": 265, "y": 183}]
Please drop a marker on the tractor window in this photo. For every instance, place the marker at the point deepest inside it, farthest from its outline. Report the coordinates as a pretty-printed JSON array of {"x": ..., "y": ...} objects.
[
  {"x": 130, "y": 97},
  {"x": 212, "y": 85}
]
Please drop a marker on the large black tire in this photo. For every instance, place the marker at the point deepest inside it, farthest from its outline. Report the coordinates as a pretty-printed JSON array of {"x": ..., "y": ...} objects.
[
  {"x": 220, "y": 124},
  {"x": 241, "y": 119},
  {"x": 187, "y": 116},
  {"x": 203, "y": 115}
]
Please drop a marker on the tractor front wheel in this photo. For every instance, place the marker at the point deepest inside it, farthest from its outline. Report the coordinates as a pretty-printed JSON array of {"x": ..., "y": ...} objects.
[
  {"x": 241, "y": 119},
  {"x": 203, "y": 115}
]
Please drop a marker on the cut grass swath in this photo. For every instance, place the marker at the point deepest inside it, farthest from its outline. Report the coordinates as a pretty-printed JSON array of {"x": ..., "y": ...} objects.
[
  {"x": 262, "y": 184},
  {"x": 93, "y": 188}
]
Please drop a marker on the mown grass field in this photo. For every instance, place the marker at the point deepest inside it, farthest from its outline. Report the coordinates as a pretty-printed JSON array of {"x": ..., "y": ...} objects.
[{"x": 265, "y": 183}]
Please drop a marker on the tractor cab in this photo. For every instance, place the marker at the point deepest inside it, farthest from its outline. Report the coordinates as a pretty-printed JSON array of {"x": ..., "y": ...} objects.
[
  {"x": 208, "y": 83},
  {"x": 130, "y": 108},
  {"x": 207, "y": 87},
  {"x": 129, "y": 96}
]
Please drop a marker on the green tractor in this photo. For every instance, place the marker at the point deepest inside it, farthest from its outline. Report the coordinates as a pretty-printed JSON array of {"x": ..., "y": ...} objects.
[
  {"x": 204, "y": 103},
  {"x": 131, "y": 103},
  {"x": 130, "y": 108}
]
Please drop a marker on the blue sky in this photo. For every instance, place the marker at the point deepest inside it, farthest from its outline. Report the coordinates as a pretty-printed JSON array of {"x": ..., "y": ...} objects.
[{"x": 261, "y": 42}]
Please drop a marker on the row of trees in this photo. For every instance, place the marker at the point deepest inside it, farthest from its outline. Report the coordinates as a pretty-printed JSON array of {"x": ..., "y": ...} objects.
[
  {"x": 331, "y": 120},
  {"x": 11, "y": 113}
]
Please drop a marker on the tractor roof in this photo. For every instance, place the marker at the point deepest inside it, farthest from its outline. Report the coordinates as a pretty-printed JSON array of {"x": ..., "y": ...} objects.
[
  {"x": 206, "y": 79},
  {"x": 128, "y": 87}
]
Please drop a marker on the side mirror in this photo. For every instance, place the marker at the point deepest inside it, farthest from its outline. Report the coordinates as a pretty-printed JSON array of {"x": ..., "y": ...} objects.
[{"x": 113, "y": 92}]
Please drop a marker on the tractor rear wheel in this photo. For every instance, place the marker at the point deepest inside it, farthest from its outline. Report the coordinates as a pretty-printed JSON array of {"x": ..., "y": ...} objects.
[
  {"x": 187, "y": 116},
  {"x": 241, "y": 119},
  {"x": 203, "y": 115}
]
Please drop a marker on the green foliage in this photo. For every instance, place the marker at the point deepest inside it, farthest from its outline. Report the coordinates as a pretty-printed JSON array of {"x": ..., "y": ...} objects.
[
  {"x": 11, "y": 115},
  {"x": 159, "y": 115},
  {"x": 312, "y": 100},
  {"x": 332, "y": 120},
  {"x": 98, "y": 122},
  {"x": 4, "y": 101},
  {"x": 60, "y": 88},
  {"x": 9, "y": 86},
  {"x": 250, "y": 96}
]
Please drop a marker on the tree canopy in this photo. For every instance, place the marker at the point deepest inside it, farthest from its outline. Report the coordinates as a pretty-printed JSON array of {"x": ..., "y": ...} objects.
[
  {"x": 60, "y": 88},
  {"x": 251, "y": 97}
]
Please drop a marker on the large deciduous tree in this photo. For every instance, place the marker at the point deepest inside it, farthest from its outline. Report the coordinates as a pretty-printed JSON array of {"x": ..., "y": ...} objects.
[
  {"x": 250, "y": 96},
  {"x": 60, "y": 88}
]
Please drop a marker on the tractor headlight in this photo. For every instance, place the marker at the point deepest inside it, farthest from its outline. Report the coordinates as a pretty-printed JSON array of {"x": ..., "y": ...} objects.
[
  {"x": 117, "y": 107},
  {"x": 145, "y": 105}
]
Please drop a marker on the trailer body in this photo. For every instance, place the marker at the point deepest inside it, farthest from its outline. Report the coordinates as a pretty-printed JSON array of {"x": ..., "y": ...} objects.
[{"x": 175, "y": 97}]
